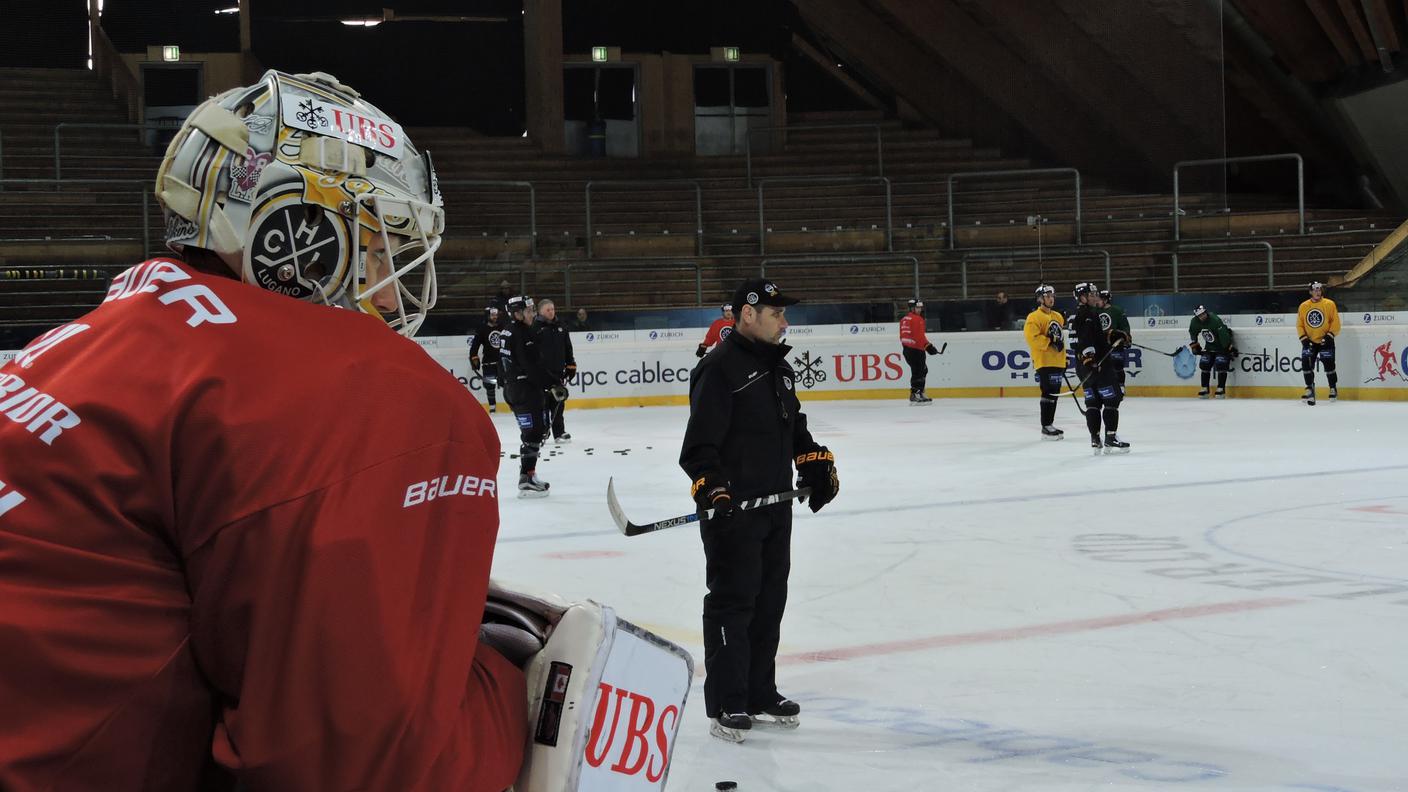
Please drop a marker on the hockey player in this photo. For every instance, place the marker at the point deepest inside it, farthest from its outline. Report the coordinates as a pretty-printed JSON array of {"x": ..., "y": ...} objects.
[
  {"x": 1099, "y": 378},
  {"x": 1318, "y": 322},
  {"x": 1048, "y": 348},
  {"x": 915, "y": 345},
  {"x": 718, "y": 331},
  {"x": 487, "y": 367},
  {"x": 745, "y": 427},
  {"x": 225, "y": 558},
  {"x": 559, "y": 362},
  {"x": 1211, "y": 341},
  {"x": 526, "y": 381},
  {"x": 1116, "y": 325}
]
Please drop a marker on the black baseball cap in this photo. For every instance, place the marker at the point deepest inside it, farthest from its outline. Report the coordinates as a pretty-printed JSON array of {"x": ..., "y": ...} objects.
[{"x": 760, "y": 291}]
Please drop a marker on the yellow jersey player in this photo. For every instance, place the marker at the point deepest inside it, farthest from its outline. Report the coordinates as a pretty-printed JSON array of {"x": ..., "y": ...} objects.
[
  {"x": 1048, "y": 346},
  {"x": 1318, "y": 322}
]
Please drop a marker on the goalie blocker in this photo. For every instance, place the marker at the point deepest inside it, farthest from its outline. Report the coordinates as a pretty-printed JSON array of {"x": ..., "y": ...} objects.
[{"x": 605, "y": 697}]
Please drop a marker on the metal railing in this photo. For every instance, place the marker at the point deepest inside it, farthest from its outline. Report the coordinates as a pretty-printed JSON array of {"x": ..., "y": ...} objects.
[
  {"x": 748, "y": 142},
  {"x": 1300, "y": 181},
  {"x": 1227, "y": 246},
  {"x": 1005, "y": 174},
  {"x": 1046, "y": 254},
  {"x": 647, "y": 266},
  {"x": 827, "y": 260},
  {"x": 143, "y": 185},
  {"x": 532, "y": 202},
  {"x": 889, "y": 202},
  {"x": 698, "y": 206},
  {"x": 62, "y": 125}
]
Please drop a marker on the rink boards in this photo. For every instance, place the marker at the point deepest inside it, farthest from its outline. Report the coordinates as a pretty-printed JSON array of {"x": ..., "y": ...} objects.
[
  {"x": 863, "y": 361},
  {"x": 651, "y": 367}
]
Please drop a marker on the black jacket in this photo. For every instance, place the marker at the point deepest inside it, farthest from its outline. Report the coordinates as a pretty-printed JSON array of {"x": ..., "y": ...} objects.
[
  {"x": 487, "y": 339},
  {"x": 556, "y": 346},
  {"x": 745, "y": 422},
  {"x": 1089, "y": 333},
  {"x": 521, "y": 372}
]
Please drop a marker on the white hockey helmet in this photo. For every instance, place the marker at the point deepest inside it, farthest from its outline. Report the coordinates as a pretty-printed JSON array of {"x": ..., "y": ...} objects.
[{"x": 291, "y": 179}]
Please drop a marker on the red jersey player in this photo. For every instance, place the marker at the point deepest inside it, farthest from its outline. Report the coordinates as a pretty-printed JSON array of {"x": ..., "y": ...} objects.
[
  {"x": 718, "y": 331},
  {"x": 915, "y": 344},
  {"x": 247, "y": 536}
]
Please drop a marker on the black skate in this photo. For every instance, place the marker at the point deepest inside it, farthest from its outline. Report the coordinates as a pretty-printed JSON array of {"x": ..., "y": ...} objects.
[
  {"x": 1221, "y": 393},
  {"x": 1114, "y": 445},
  {"x": 562, "y": 438},
  {"x": 530, "y": 486},
  {"x": 1308, "y": 395},
  {"x": 1095, "y": 444},
  {"x": 783, "y": 714},
  {"x": 730, "y": 726},
  {"x": 493, "y": 408},
  {"x": 1334, "y": 394},
  {"x": 1203, "y": 394},
  {"x": 1052, "y": 433},
  {"x": 918, "y": 399}
]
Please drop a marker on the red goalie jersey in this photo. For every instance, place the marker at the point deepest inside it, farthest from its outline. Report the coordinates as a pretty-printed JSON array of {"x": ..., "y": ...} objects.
[{"x": 238, "y": 527}]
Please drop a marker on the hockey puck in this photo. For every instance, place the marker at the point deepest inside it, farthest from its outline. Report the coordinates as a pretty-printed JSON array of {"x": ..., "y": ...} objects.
[{"x": 726, "y": 786}]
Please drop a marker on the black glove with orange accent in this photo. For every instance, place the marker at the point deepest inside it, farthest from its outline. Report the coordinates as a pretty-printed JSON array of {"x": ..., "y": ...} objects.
[
  {"x": 570, "y": 371},
  {"x": 699, "y": 352},
  {"x": 931, "y": 349},
  {"x": 817, "y": 470},
  {"x": 710, "y": 491}
]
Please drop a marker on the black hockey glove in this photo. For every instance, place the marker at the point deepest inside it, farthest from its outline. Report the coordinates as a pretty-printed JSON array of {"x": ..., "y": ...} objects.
[
  {"x": 1118, "y": 338},
  {"x": 559, "y": 393},
  {"x": 1328, "y": 342},
  {"x": 817, "y": 470},
  {"x": 931, "y": 349},
  {"x": 474, "y": 363},
  {"x": 571, "y": 370},
  {"x": 710, "y": 491},
  {"x": 1232, "y": 352},
  {"x": 1058, "y": 343},
  {"x": 1305, "y": 342},
  {"x": 701, "y": 351},
  {"x": 1087, "y": 356},
  {"x": 1196, "y": 347}
]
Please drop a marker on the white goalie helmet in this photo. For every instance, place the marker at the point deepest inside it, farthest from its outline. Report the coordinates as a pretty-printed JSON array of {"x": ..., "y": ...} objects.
[{"x": 291, "y": 180}]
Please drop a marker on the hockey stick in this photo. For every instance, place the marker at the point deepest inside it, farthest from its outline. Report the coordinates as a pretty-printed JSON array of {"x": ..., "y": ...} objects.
[{"x": 631, "y": 529}]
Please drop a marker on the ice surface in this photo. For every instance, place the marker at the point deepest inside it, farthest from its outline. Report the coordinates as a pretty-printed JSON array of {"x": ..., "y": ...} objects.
[{"x": 1224, "y": 608}]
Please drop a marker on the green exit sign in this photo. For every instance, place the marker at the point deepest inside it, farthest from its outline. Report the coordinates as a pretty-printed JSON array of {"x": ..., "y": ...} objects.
[
  {"x": 731, "y": 54},
  {"x": 600, "y": 54},
  {"x": 170, "y": 52}
]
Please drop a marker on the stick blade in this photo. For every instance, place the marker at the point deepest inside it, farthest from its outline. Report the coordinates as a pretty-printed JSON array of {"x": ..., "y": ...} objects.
[{"x": 614, "y": 506}]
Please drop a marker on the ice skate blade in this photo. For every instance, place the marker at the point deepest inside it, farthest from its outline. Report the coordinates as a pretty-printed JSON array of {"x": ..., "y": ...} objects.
[
  {"x": 776, "y": 721},
  {"x": 1115, "y": 450},
  {"x": 1053, "y": 437},
  {"x": 532, "y": 493},
  {"x": 1310, "y": 402},
  {"x": 561, "y": 440},
  {"x": 920, "y": 404},
  {"x": 726, "y": 734}
]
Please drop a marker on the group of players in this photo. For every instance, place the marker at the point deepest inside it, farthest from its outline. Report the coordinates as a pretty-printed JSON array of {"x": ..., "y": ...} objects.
[
  {"x": 530, "y": 356},
  {"x": 1100, "y": 341}
]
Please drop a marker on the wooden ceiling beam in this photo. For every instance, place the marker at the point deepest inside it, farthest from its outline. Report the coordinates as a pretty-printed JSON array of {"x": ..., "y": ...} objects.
[
  {"x": 1330, "y": 24},
  {"x": 1350, "y": 10},
  {"x": 1384, "y": 20}
]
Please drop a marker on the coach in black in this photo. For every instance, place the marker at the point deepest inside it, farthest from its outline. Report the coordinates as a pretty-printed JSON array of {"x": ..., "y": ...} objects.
[{"x": 746, "y": 430}]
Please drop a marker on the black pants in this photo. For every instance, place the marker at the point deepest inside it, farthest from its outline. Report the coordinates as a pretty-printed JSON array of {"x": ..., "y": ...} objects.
[
  {"x": 532, "y": 420},
  {"x": 918, "y": 368},
  {"x": 491, "y": 382},
  {"x": 554, "y": 409},
  {"x": 1048, "y": 379},
  {"x": 747, "y": 559},
  {"x": 1214, "y": 360},
  {"x": 1103, "y": 395},
  {"x": 1323, "y": 352}
]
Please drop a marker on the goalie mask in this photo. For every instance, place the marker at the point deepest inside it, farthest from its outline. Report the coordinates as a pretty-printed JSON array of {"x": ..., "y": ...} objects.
[{"x": 305, "y": 189}]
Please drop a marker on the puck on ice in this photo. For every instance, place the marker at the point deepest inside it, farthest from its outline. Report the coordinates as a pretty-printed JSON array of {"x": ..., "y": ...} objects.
[{"x": 726, "y": 786}]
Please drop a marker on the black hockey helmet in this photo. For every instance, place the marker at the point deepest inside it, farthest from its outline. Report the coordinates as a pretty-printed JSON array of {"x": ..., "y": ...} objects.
[
  {"x": 520, "y": 303},
  {"x": 1199, "y": 311},
  {"x": 1105, "y": 295},
  {"x": 1082, "y": 289},
  {"x": 1316, "y": 285}
]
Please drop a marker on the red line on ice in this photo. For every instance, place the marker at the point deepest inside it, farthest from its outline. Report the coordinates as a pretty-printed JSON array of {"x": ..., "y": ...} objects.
[{"x": 1033, "y": 631}]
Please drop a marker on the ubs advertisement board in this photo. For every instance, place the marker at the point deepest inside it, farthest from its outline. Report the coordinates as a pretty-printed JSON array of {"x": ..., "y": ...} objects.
[{"x": 864, "y": 361}]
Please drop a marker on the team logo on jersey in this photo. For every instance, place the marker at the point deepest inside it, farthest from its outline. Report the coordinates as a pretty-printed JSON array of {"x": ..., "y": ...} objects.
[
  {"x": 1105, "y": 321},
  {"x": 725, "y": 332},
  {"x": 1208, "y": 338},
  {"x": 809, "y": 369},
  {"x": 292, "y": 250},
  {"x": 496, "y": 339},
  {"x": 786, "y": 380},
  {"x": 1315, "y": 317}
]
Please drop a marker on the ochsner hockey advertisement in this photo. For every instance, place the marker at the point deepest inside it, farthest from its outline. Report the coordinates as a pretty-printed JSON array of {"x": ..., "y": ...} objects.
[{"x": 863, "y": 361}]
